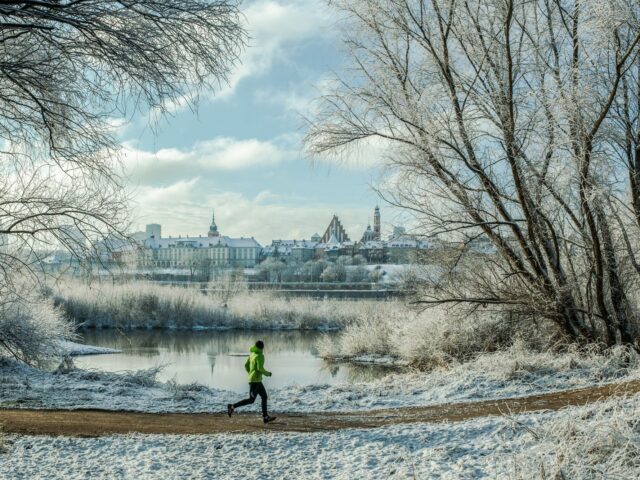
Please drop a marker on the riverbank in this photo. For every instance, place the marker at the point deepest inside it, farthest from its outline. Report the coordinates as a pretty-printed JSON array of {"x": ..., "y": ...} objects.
[
  {"x": 140, "y": 305},
  {"x": 100, "y": 423},
  {"x": 498, "y": 375},
  {"x": 581, "y": 442},
  {"x": 476, "y": 440}
]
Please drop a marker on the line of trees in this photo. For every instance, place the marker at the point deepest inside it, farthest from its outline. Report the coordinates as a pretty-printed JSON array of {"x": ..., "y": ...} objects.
[
  {"x": 513, "y": 120},
  {"x": 344, "y": 269}
]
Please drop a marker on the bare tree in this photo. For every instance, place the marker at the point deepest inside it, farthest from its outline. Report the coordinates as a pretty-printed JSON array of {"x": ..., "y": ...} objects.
[
  {"x": 501, "y": 115},
  {"x": 69, "y": 69},
  {"x": 226, "y": 285}
]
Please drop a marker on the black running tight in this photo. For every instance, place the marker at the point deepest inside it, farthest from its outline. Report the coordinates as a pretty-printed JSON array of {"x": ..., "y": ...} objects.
[{"x": 255, "y": 389}]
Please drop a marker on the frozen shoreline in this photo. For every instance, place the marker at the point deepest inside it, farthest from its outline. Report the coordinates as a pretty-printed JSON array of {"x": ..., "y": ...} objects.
[
  {"x": 78, "y": 349},
  {"x": 579, "y": 440},
  {"x": 499, "y": 375}
]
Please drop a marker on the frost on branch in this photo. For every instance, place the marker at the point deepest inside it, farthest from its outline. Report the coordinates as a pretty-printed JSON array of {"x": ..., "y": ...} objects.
[{"x": 31, "y": 328}]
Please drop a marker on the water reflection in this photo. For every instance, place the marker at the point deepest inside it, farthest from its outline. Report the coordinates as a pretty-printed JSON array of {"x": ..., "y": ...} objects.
[
  {"x": 185, "y": 342},
  {"x": 216, "y": 358}
]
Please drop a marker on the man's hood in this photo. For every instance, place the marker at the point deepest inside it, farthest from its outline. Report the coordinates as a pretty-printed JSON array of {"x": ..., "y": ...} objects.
[{"x": 255, "y": 349}]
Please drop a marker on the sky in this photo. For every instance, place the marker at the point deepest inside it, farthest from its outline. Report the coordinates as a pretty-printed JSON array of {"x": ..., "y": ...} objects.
[{"x": 241, "y": 152}]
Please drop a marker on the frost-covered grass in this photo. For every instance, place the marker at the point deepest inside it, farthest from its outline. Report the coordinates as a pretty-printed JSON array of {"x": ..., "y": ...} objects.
[
  {"x": 593, "y": 442},
  {"x": 3, "y": 442},
  {"x": 515, "y": 372},
  {"x": 597, "y": 441},
  {"x": 428, "y": 339},
  {"x": 147, "y": 305},
  {"x": 31, "y": 329}
]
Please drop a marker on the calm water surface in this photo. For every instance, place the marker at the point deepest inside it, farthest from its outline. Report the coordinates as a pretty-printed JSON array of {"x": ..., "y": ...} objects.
[{"x": 216, "y": 359}]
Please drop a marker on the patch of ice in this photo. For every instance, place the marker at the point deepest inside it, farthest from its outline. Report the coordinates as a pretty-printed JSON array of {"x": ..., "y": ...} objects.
[
  {"x": 76, "y": 349},
  {"x": 370, "y": 359}
]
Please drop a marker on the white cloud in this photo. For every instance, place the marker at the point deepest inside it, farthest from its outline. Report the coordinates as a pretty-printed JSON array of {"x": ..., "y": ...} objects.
[
  {"x": 184, "y": 208},
  {"x": 293, "y": 102},
  {"x": 118, "y": 125},
  {"x": 302, "y": 100},
  {"x": 218, "y": 154},
  {"x": 265, "y": 196},
  {"x": 274, "y": 26},
  {"x": 229, "y": 154},
  {"x": 176, "y": 193}
]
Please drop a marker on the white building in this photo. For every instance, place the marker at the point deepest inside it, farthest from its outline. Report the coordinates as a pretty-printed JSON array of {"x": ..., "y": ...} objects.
[{"x": 187, "y": 252}]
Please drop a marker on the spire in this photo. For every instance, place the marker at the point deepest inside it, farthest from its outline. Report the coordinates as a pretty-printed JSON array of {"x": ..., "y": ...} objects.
[{"x": 213, "y": 228}]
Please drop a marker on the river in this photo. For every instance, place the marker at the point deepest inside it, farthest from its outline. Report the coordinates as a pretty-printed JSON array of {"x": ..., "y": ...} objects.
[{"x": 216, "y": 358}]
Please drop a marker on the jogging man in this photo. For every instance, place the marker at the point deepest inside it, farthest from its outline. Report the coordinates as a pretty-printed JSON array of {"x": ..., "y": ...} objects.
[{"x": 255, "y": 369}]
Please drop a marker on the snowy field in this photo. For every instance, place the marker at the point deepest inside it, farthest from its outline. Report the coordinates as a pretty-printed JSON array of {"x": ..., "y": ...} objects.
[
  {"x": 598, "y": 441},
  {"x": 498, "y": 375}
]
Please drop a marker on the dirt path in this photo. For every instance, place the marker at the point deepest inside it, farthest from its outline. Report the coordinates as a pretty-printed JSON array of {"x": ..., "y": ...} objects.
[{"x": 90, "y": 423}]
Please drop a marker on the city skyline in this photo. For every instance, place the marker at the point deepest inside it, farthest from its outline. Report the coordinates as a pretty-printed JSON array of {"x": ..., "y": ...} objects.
[
  {"x": 386, "y": 230},
  {"x": 241, "y": 152}
]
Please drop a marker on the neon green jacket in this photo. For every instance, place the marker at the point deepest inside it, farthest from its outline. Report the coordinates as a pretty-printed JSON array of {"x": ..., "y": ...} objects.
[{"x": 255, "y": 365}]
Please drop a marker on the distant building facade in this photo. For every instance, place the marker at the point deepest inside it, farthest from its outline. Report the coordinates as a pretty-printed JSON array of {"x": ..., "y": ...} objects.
[
  {"x": 298, "y": 251},
  {"x": 213, "y": 250},
  {"x": 217, "y": 250},
  {"x": 335, "y": 232},
  {"x": 401, "y": 248},
  {"x": 406, "y": 249}
]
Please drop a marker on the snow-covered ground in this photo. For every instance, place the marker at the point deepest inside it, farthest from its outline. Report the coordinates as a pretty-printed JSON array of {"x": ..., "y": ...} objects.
[
  {"x": 598, "y": 441},
  {"x": 500, "y": 375}
]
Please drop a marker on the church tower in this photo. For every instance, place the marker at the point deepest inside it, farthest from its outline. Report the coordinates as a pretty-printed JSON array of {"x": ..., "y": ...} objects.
[
  {"x": 336, "y": 230},
  {"x": 376, "y": 223},
  {"x": 367, "y": 236},
  {"x": 213, "y": 228}
]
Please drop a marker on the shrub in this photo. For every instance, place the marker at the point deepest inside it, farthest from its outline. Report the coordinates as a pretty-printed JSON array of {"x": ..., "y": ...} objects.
[
  {"x": 31, "y": 328},
  {"x": 430, "y": 338}
]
